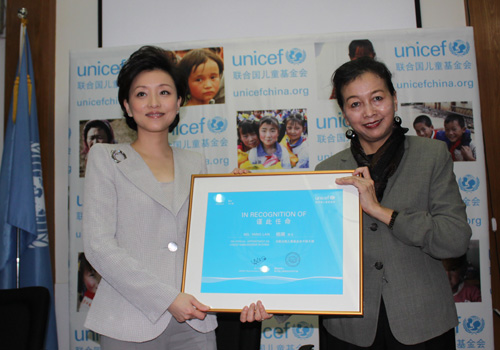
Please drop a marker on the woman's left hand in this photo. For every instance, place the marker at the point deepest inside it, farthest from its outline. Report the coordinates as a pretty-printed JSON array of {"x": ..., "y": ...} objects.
[
  {"x": 254, "y": 312},
  {"x": 362, "y": 180}
]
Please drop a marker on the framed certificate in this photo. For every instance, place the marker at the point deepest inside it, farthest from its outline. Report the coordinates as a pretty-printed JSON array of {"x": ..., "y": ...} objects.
[{"x": 291, "y": 240}]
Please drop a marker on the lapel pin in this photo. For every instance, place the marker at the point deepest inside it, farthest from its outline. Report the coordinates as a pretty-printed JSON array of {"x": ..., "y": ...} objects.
[{"x": 118, "y": 155}]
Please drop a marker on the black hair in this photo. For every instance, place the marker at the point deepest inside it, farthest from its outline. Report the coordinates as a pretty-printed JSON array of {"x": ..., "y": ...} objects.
[
  {"x": 455, "y": 117},
  {"x": 297, "y": 118},
  {"x": 269, "y": 120},
  {"x": 197, "y": 57},
  {"x": 422, "y": 118},
  {"x": 362, "y": 43},
  {"x": 148, "y": 58},
  {"x": 458, "y": 264},
  {"x": 248, "y": 126},
  {"x": 100, "y": 124},
  {"x": 272, "y": 121},
  {"x": 351, "y": 70}
]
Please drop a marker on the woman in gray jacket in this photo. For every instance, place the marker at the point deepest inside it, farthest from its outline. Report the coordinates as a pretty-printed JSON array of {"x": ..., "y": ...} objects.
[{"x": 413, "y": 216}]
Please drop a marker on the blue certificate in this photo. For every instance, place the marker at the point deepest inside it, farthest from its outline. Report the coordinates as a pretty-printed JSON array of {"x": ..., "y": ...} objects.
[
  {"x": 277, "y": 238},
  {"x": 274, "y": 242}
]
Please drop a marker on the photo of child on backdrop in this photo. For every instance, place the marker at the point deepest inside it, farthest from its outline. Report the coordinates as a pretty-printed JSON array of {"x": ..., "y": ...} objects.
[
  {"x": 295, "y": 141},
  {"x": 97, "y": 131},
  {"x": 94, "y": 131},
  {"x": 248, "y": 138},
  {"x": 202, "y": 70},
  {"x": 272, "y": 139},
  {"x": 423, "y": 126},
  {"x": 458, "y": 138},
  {"x": 464, "y": 275},
  {"x": 358, "y": 48},
  {"x": 451, "y": 122},
  {"x": 88, "y": 280}
]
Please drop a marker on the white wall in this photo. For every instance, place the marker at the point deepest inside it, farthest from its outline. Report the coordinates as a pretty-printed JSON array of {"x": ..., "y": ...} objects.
[
  {"x": 442, "y": 13},
  {"x": 194, "y": 20}
]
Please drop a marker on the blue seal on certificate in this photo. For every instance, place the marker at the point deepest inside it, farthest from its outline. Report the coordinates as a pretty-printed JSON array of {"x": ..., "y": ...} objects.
[{"x": 292, "y": 259}]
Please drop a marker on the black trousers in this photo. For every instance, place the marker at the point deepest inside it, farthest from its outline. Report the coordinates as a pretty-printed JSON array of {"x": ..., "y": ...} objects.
[
  {"x": 231, "y": 334},
  {"x": 384, "y": 339}
]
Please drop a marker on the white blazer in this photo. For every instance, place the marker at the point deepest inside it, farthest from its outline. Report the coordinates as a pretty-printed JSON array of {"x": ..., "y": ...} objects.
[{"x": 128, "y": 224}]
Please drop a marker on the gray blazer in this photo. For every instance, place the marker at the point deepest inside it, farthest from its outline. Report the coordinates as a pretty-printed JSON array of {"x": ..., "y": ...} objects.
[
  {"x": 128, "y": 223},
  {"x": 403, "y": 265}
]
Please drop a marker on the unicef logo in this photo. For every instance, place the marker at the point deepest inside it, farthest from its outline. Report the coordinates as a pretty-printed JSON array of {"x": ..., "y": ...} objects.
[
  {"x": 459, "y": 47},
  {"x": 296, "y": 56},
  {"x": 474, "y": 325},
  {"x": 217, "y": 125},
  {"x": 468, "y": 183},
  {"x": 303, "y": 330},
  {"x": 292, "y": 259}
]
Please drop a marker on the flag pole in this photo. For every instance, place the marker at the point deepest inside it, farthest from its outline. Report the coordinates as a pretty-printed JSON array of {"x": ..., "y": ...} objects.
[
  {"x": 22, "y": 14},
  {"x": 18, "y": 260}
]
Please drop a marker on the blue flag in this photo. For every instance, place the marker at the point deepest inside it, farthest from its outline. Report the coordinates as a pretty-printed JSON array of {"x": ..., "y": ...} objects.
[{"x": 22, "y": 201}]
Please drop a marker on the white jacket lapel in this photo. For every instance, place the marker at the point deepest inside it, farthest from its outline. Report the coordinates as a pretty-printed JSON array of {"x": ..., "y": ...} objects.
[{"x": 135, "y": 169}]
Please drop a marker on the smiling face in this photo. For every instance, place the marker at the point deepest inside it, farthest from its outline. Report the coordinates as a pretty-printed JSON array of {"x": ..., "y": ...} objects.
[
  {"x": 294, "y": 131},
  {"x": 369, "y": 109},
  {"x": 423, "y": 130},
  {"x": 453, "y": 131},
  {"x": 268, "y": 134},
  {"x": 204, "y": 83},
  {"x": 153, "y": 101},
  {"x": 250, "y": 140}
]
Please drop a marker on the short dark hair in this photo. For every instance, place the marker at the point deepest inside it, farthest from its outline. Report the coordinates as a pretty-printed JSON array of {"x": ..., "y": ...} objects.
[
  {"x": 456, "y": 264},
  {"x": 455, "y": 117},
  {"x": 422, "y": 118},
  {"x": 351, "y": 70},
  {"x": 361, "y": 43},
  {"x": 248, "y": 126},
  {"x": 148, "y": 58},
  {"x": 102, "y": 124},
  {"x": 195, "y": 58},
  {"x": 270, "y": 120},
  {"x": 296, "y": 118}
]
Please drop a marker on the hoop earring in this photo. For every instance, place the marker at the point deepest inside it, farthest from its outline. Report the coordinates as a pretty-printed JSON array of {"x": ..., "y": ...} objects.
[
  {"x": 350, "y": 134},
  {"x": 397, "y": 120}
]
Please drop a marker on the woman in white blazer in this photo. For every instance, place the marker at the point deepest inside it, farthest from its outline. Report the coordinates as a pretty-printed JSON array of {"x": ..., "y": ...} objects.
[{"x": 135, "y": 217}]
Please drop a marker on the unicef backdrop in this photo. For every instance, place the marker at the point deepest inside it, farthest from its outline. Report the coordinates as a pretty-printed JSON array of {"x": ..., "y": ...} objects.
[{"x": 434, "y": 72}]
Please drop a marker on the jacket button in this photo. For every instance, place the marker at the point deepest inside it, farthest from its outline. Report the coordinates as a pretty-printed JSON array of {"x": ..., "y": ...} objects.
[
  {"x": 378, "y": 265},
  {"x": 374, "y": 226},
  {"x": 172, "y": 246}
]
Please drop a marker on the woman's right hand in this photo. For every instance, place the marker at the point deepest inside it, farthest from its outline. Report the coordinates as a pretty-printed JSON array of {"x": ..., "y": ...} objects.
[
  {"x": 186, "y": 307},
  {"x": 254, "y": 312},
  {"x": 362, "y": 180}
]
